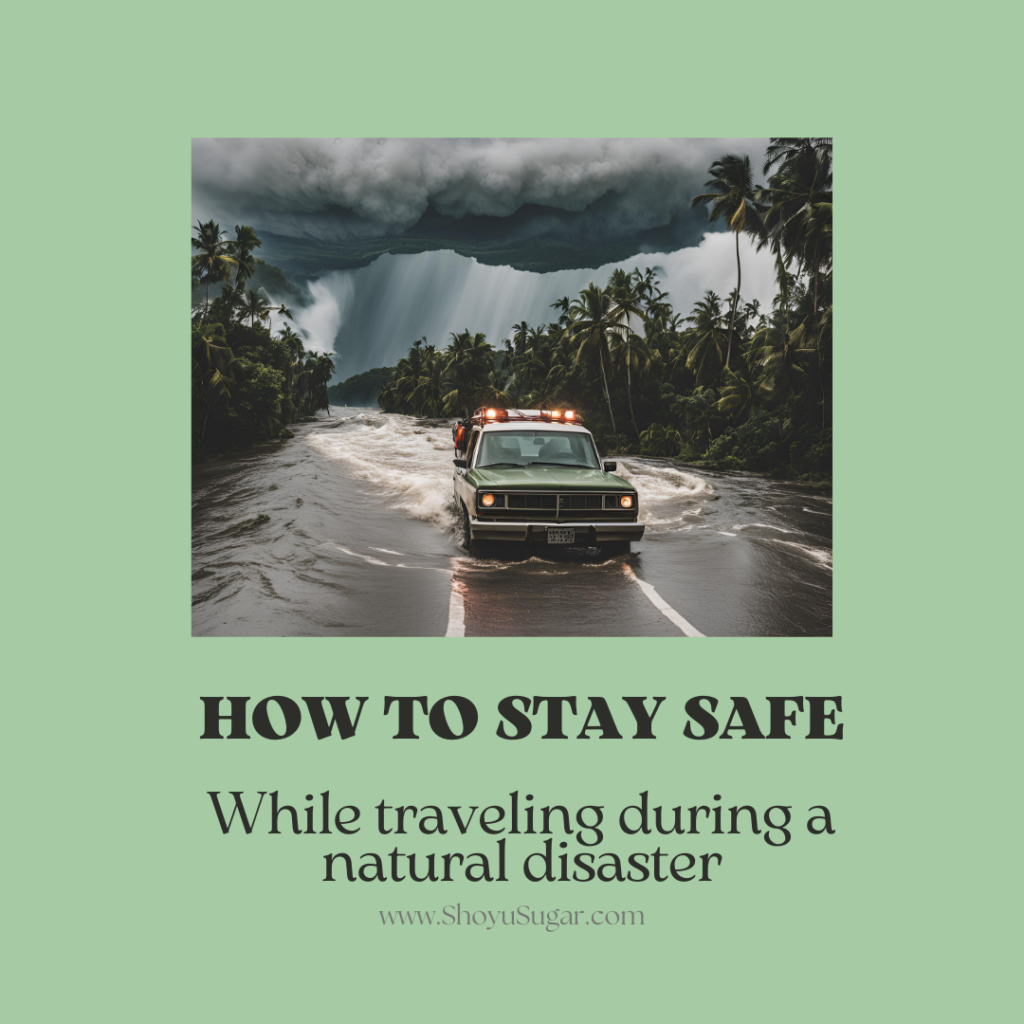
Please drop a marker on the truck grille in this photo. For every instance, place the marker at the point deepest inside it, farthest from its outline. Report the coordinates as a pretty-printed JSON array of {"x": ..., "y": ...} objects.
[
  {"x": 532, "y": 500},
  {"x": 551, "y": 507}
]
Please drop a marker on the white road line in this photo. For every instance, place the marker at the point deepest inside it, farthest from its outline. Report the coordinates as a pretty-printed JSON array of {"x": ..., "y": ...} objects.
[
  {"x": 666, "y": 609},
  {"x": 456, "y": 611},
  {"x": 365, "y": 558}
]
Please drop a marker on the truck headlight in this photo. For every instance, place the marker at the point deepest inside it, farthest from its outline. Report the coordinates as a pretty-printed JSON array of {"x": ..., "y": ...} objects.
[
  {"x": 626, "y": 501},
  {"x": 487, "y": 500}
]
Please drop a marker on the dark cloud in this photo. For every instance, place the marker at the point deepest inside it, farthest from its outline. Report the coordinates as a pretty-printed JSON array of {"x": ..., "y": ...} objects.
[{"x": 338, "y": 190}]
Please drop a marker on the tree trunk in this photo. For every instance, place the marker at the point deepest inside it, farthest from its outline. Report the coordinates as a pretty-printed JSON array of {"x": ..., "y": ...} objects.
[
  {"x": 735, "y": 301},
  {"x": 629, "y": 382},
  {"x": 629, "y": 395},
  {"x": 821, "y": 381},
  {"x": 608, "y": 397},
  {"x": 821, "y": 384},
  {"x": 784, "y": 285}
]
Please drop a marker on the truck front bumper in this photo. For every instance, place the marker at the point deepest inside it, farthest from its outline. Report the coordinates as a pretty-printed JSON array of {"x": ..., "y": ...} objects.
[{"x": 587, "y": 534}]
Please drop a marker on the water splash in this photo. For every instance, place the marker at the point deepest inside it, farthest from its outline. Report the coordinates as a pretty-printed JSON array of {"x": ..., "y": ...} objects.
[
  {"x": 410, "y": 461},
  {"x": 667, "y": 494},
  {"x": 395, "y": 459}
]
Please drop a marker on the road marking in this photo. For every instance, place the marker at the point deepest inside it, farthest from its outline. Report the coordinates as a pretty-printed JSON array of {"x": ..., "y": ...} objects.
[
  {"x": 666, "y": 609},
  {"x": 365, "y": 558},
  {"x": 456, "y": 610}
]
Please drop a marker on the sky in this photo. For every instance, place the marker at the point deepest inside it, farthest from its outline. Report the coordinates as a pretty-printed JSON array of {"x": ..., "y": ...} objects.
[
  {"x": 344, "y": 196},
  {"x": 336, "y": 188},
  {"x": 327, "y": 207}
]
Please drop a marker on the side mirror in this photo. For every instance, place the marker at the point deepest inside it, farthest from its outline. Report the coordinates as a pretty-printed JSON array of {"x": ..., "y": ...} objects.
[
  {"x": 610, "y": 467},
  {"x": 459, "y": 463}
]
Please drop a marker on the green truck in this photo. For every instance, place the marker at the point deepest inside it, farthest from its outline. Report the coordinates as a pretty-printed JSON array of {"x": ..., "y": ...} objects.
[{"x": 534, "y": 476}]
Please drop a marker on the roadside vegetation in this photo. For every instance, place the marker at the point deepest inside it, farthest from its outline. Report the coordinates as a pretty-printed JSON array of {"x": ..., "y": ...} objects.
[
  {"x": 362, "y": 389},
  {"x": 728, "y": 384},
  {"x": 246, "y": 385}
]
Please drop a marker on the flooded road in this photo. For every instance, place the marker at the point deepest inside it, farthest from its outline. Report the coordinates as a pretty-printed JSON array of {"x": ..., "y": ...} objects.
[{"x": 349, "y": 530}]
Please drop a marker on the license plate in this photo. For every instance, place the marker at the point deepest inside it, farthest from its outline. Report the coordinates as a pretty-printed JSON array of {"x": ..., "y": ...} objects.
[{"x": 561, "y": 536}]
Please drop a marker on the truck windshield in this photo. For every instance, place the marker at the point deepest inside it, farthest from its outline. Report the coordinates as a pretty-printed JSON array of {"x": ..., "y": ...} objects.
[{"x": 547, "y": 447}]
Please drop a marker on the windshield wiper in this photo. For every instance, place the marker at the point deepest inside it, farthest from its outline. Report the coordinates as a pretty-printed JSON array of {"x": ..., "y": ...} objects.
[{"x": 501, "y": 465}]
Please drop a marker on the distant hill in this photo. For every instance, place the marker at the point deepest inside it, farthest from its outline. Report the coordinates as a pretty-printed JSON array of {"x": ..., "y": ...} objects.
[{"x": 362, "y": 389}]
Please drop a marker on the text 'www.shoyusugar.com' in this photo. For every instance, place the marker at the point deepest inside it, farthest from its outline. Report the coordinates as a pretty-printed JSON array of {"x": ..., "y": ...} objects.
[{"x": 548, "y": 920}]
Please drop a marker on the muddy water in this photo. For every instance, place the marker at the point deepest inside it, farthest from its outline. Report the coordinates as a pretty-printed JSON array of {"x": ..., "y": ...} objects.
[{"x": 348, "y": 530}]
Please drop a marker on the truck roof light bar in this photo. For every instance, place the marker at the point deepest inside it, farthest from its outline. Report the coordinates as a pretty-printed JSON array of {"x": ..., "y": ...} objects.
[{"x": 487, "y": 414}]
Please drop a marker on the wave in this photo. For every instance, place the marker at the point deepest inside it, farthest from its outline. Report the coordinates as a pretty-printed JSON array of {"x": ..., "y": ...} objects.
[
  {"x": 667, "y": 494},
  {"x": 820, "y": 556},
  {"x": 409, "y": 461},
  {"x": 407, "y": 466}
]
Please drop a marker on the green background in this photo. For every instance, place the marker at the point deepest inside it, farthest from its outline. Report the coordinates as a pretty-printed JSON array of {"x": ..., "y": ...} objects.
[{"x": 124, "y": 903}]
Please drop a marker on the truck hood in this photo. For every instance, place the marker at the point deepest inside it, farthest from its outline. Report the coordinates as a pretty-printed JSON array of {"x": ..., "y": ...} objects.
[{"x": 547, "y": 478}]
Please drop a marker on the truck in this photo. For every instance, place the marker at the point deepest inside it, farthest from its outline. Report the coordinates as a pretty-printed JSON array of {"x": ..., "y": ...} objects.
[{"x": 535, "y": 477}]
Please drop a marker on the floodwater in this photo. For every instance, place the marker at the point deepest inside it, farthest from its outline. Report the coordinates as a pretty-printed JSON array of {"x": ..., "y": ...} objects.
[{"x": 349, "y": 529}]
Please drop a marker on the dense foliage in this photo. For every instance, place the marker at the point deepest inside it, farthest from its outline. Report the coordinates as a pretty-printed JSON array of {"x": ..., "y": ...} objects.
[
  {"x": 246, "y": 385},
  {"x": 731, "y": 384},
  {"x": 362, "y": 389}
]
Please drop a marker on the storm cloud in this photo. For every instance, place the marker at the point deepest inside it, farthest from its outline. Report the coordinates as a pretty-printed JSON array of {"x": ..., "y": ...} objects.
[{"x": 342, "y": 189}]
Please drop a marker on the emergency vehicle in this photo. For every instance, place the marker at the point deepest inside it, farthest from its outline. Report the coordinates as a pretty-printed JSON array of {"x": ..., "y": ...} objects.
[{"x": 534, "y": 476}]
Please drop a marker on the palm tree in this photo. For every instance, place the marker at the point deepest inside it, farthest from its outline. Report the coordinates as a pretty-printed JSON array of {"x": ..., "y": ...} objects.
[
  {"x": 286, "y": 334},
  {"x": 321, "y": 372},
  {"x": 459, "y": 348},
  {"x": 815, "y": 245},
  {"x": 294, "y": 342},
  {"x": 706, "y": 339},
  {"x": 782, "y": 151},
  {"x": 660, "y": 440},
  {"x": 408, "y": 371},
  {"x": 213, "y": 260},
  {"x": 532, "y": 366},
  {"x": 627, "y": 296},
  {"x": 520, "y": 333},
  {"x": 253, "y": 305},
  {"x": 798, "y": 207},
  {"x": 635, "y": 354},
  {"x": 752, "y": 312},
  {"x": 211, "y": 361},
  {"x": 268, "y": 309},
  {"x": 646, "y": 283},
  {"x": 429, "y": 394},
  {"x": 738, "y": 394},
  {"x": 296, "y": 350},
  {"x": 816, "y": 332},
  {"x": 241, "y": 248},
  {"x": 594, "y": 328},
  {"x": 562, "y": 305},
  {"x": 466, "y": 370},
  {"x": 781, "y": 357},
  {"x": 733, "y": 197},
  {"x": 699, "y": 412}
]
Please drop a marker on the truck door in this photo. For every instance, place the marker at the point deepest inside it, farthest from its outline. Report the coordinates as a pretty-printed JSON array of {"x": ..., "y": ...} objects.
[{"x": 462, "y": 489}]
